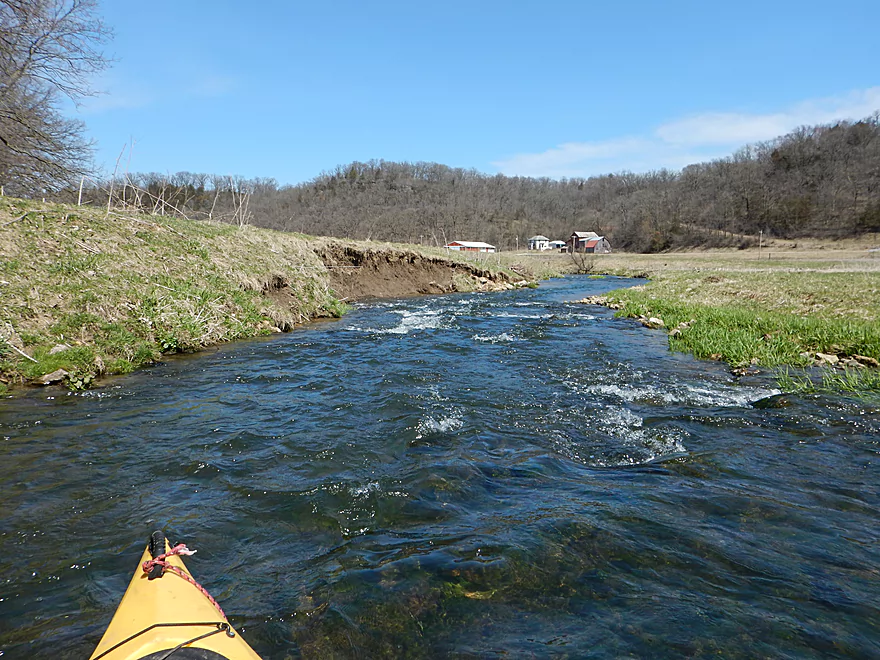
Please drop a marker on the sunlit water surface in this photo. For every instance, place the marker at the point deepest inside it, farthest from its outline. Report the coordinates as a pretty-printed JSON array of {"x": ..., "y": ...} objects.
[{"x": 471, "y": 475}]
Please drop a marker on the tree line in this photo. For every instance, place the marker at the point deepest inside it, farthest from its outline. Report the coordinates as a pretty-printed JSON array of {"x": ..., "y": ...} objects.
[{"x": 821, "y": 181}]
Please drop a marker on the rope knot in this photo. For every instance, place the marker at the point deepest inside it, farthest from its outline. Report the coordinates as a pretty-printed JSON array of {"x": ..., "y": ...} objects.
[{"x": 179, "y": 549}]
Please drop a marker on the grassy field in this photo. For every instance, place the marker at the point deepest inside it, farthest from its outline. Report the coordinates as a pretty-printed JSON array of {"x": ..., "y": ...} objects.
[{"x": 777, "y": 307}]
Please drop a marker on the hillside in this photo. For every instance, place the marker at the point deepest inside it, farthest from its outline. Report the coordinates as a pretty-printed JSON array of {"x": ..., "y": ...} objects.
[
  {"x": 86, "y": 292},
  {"x": 815, "y": 182}
]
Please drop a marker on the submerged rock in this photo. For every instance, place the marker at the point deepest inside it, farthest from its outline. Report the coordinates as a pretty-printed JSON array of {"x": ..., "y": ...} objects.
[{"x": 775, "y": 401}]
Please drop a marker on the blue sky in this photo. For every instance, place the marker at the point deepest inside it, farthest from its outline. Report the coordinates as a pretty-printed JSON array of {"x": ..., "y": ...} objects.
[{"x": 539, "y": 88}]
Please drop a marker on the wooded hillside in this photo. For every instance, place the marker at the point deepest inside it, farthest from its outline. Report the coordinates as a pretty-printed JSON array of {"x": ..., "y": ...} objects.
[{"x": 819, "y": 181}]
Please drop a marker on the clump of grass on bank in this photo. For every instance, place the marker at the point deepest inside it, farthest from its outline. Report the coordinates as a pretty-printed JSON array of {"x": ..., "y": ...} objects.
[
  {"x": 741, "y": 335},
  {"x": 774, "y": 316},
  {"x": 830, "y": 381},
  {"x": 92, "y": 292}
]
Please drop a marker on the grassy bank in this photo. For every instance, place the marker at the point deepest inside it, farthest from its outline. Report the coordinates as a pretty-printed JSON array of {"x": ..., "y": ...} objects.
[
  {"x": 86, "y": 291},
  {"x": 797, "y": 308},
  {"x": 91, "y": 292}
]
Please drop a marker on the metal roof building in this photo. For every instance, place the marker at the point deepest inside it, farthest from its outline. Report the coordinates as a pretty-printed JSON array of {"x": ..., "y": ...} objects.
[{"x": 470, "y": 246}]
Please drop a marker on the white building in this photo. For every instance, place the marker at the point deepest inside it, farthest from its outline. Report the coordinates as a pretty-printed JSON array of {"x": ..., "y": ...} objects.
[
  {"x": 539, "y": 243},
  {"x": 470, "y": 246}
]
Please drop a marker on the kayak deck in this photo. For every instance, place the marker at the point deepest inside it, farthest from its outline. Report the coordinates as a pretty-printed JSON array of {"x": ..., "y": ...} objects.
[{"x": 167, "y": 616}]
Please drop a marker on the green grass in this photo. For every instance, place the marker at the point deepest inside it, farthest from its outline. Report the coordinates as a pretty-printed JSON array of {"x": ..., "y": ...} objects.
[
  {"x": 740, "y": 335},
  {"x": 72, "y": 264},
  {"x": 119, "y": 290},
  {"x": 830, "y": 381},
  {"x": 338, "y": 309},
  {"x": 769, "y": 319}
]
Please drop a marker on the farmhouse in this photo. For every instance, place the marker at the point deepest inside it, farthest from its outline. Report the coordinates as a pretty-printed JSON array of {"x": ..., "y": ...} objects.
[
  {"x": 588, "y": 241},
  {"x": 470, "y": 246},
  {"x": 539, "y": 243}
]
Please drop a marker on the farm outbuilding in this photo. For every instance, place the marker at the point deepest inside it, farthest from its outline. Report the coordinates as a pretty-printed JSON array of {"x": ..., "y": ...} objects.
[
  {"x": 470, "y": 246},
  {"x": 598, "y": 245},
  {"x": 539, "y": 243},
  {"x": 588, "y": 241}
]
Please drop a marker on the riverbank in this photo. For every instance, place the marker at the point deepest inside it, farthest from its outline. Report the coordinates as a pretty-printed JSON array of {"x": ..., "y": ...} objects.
[
  {"x": 86, "y": 292},
  {"x": 790, "y": 308}
]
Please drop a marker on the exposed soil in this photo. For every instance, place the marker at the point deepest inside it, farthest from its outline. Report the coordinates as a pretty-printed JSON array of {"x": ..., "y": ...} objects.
[
  {"x": 357, "y": 273},
  {"x": 84, "y": 292}
]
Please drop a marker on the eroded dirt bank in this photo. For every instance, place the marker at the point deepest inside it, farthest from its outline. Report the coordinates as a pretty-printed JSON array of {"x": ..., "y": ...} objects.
[
  {"x": 85, "y": 292},
  {"x": 357, "y": 273}
]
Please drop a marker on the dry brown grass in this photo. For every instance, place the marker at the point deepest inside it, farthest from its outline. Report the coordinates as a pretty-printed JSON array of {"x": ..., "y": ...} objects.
[
  {"x": 118, "y": 289},
  {"x": 92, "y": 292},
  {"x": 826, "y": 283}
]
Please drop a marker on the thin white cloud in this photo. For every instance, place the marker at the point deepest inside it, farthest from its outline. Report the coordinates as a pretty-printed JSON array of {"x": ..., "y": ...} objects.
[
  {"x": 107, "y": 102},
  {"x": 119, "y": 95},
  {"x": 213, "y": 86},
  {"x": 689, "y": 140},
  {"x": 116, "y": 95},
  {"x": 574, "y": 155},
  {"x": 730, "y": 128}
]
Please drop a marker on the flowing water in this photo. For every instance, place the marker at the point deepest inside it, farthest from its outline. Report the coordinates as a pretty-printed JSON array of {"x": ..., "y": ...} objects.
[{"x": 470, "y": 475}]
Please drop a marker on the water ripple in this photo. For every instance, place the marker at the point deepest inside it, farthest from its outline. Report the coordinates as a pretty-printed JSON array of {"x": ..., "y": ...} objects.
[{"x": 470, "y": 476}]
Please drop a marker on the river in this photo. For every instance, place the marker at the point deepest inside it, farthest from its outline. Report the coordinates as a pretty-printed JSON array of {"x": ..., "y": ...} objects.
[{"x": 472, "y": 475}]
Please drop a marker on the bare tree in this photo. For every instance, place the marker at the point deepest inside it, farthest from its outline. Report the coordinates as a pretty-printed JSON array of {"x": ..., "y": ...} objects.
[
  {"x": 584, "y": 263},
  {"x": 49, "y": 49}
]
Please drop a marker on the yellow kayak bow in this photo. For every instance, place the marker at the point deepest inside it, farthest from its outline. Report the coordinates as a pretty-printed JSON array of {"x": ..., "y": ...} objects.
[{"x": 165, "y": 613}]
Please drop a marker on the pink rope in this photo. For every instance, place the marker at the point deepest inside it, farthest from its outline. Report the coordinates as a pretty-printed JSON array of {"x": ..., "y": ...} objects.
[{"x": 180, "y": 549}]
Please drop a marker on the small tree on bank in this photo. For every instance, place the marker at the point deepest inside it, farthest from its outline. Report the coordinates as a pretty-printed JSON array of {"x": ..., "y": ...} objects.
[{"x": 584, "y": 262}]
